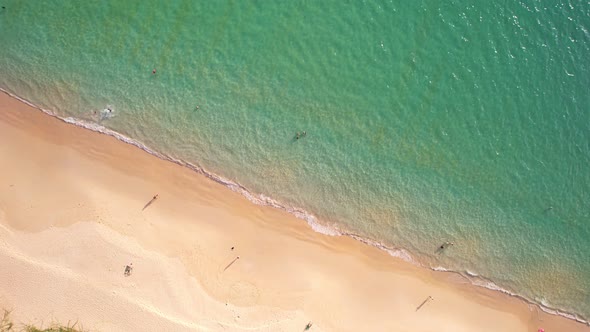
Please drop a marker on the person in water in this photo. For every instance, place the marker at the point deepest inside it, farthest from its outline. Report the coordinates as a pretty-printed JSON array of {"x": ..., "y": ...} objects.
[
  {"x": 445, "y": 245},
  {"x": 154, "y": 71}
]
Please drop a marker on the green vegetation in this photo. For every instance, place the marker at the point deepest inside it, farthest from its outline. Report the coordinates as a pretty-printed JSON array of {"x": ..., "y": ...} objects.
[{"x": 6, "y": 325}]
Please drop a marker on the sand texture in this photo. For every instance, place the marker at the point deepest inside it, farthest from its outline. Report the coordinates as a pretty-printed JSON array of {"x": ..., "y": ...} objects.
[{"x": 73, "y": 214}]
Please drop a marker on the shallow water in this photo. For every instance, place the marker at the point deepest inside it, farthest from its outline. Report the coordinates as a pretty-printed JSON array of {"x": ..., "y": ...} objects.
[{"x": 426, "y": 122}]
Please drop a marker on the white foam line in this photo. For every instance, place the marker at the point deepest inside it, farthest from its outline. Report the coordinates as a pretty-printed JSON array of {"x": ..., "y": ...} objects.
[
  {"x": 479, "y": 281},
  {"x": 261, "y": 199},
  {"x": 395, "y": 252},
  {"x": 258, "y": 199}
]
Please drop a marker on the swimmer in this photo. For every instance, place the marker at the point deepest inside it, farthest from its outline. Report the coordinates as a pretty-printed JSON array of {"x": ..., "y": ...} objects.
[
  {"x": 297, "y": 135},
  {"x": 446, "y": 244},
  {"x": 154, "y": 71}
]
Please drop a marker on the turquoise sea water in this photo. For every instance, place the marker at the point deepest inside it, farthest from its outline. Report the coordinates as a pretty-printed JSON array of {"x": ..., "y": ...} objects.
[{"x": 462, "y": 121}]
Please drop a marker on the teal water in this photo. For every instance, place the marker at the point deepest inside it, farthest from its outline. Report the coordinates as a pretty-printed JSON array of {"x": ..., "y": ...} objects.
[{"x": 426, "y": 122}]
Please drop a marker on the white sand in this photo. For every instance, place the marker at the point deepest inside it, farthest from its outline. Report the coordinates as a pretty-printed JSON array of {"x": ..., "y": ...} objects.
[{"x": 71, "y": 218}]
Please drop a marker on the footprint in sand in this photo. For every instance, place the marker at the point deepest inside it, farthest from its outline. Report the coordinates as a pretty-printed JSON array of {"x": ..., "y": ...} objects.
[{"x": 244, "y": 294}]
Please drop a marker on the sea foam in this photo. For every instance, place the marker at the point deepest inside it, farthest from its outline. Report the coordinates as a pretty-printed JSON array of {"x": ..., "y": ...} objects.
[{"x": 263, "y": 200}]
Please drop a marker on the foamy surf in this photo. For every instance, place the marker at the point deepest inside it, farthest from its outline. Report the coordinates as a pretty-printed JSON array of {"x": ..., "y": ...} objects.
[
  {"x": 258, "y": 199},
  {"x": 315, "y": 224}
]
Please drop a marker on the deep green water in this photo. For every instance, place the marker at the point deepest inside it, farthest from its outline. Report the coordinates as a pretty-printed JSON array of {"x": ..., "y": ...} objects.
[{"x": 426, "y": 121}]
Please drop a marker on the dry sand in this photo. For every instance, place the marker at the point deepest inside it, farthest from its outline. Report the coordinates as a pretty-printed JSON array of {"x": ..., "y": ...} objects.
[{"x": 71, "y": 218}]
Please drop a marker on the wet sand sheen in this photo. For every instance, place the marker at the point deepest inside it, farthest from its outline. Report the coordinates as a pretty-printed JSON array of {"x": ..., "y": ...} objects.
[{"x": 71, "y": 205}]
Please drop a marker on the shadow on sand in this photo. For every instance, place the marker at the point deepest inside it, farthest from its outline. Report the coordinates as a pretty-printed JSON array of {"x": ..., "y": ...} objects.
[
  {"x": 150, "y": 202},
  {"x": 423, "y": 303},
  {"x": 230, "y": 264}
]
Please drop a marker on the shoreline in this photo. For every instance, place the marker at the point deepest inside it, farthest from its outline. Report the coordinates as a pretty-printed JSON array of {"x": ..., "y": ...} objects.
[
  {"x": 265, "y": 204},
  {"x": 309, "y": 218}
]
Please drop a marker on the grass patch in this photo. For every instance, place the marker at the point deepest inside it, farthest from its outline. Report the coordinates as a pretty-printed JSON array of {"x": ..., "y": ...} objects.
[{"x": 7, "y": 325}]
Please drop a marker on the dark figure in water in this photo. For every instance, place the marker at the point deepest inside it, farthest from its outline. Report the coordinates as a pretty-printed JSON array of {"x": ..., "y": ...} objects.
[
  {"x": 300, "y": 135},
  {"x": 445, "y": 245}
]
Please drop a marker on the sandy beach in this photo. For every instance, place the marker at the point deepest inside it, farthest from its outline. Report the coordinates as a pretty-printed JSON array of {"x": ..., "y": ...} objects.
[{"x": 73, "y": 214}]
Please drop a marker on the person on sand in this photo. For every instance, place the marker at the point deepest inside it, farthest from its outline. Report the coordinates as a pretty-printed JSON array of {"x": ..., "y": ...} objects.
[
  {"x": 128, "y": 269},
  {"x": 308, "y": 326},
  {"x": 150, "y": 202}
]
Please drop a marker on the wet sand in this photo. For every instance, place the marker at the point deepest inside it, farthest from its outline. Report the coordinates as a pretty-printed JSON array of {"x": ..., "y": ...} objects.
[{"x": 74, "y": 213}]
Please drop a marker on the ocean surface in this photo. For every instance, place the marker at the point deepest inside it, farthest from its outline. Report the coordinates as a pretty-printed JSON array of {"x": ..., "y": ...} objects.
[{"x": 425, "y": 121}]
